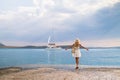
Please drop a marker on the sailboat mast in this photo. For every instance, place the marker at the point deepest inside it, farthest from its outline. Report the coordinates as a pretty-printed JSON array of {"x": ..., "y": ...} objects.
[{"x": 49, "y": 39}]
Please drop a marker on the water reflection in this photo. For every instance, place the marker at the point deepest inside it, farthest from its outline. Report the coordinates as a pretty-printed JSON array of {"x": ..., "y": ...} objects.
[{"x": 50, "y": 56}]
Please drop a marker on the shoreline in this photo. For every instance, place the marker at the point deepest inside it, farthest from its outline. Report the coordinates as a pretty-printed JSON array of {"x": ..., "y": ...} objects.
[
  {"x": 58, "y": 66},
  {"x": 60, "y": 72}
]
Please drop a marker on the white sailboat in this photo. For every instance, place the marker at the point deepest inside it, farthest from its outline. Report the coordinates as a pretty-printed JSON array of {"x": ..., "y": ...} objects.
[{"x": 52, "y": 45}]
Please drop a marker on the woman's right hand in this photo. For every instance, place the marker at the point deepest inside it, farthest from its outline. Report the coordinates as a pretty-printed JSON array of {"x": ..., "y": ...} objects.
[
  {"x": 66, "y": 49},
  {"x": 87, "y": 49}
]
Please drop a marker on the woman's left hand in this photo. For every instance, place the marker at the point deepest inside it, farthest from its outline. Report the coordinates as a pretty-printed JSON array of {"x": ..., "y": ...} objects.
[{"x": 87, "y": 49}]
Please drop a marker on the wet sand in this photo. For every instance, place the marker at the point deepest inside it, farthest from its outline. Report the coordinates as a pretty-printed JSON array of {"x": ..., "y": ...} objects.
[{"x": 60, "y": 73}]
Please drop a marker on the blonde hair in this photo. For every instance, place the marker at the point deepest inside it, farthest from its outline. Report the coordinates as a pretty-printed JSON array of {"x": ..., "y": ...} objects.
[{"x": 77, "y": 43}]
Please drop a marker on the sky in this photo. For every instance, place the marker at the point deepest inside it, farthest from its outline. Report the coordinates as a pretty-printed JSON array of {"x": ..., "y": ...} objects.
[{"x": 94, "y": 22}]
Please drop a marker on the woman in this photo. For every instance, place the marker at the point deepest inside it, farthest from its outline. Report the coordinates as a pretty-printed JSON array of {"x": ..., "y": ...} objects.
[{"x": 76, "y": 51}]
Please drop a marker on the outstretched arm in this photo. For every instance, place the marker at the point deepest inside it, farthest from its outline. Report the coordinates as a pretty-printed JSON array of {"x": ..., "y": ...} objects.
[{"x": 83, "y": 47}]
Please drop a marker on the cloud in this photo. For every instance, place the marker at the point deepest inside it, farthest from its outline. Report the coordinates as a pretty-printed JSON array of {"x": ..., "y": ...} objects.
[
  {"x": 102, "y": 24},
  {"x": 66, "y": 17},
  {"x": 63, "y": 8},
  {"x": 108, "y": 20}
]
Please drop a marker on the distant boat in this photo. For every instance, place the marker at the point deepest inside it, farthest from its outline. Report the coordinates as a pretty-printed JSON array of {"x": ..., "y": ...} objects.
[{"x": 52, "y": 45}]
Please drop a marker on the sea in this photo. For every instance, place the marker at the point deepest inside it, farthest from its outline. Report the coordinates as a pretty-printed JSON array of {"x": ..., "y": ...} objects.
[{"x": 93, "y": 57}]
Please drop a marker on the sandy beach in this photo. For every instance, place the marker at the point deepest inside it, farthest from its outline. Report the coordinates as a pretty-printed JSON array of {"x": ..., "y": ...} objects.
[{"x": 59, "y": 73}]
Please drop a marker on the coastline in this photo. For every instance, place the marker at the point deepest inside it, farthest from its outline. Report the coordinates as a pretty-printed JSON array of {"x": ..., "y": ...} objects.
[
  {"x": 60, "y": 72},
  {"x": 59, "y": 66}
]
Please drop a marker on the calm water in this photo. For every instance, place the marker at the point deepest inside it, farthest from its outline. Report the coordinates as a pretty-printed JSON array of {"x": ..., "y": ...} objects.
[{"x": 93, "y": 57}]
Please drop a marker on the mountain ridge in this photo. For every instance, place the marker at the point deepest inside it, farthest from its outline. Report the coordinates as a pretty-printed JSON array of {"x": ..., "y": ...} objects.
[{"x": 1, "y": 44}]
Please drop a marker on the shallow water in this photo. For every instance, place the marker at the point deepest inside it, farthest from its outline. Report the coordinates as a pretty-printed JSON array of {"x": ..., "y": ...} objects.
[{"x": 93, "y": 57}]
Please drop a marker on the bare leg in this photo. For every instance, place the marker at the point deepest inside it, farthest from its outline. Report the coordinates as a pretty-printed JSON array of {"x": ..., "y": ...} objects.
[{"x": 77, "y": 62}]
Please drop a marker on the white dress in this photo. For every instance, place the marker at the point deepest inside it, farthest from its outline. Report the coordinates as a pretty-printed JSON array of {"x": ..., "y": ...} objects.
[{"x": 76, "y": 52}]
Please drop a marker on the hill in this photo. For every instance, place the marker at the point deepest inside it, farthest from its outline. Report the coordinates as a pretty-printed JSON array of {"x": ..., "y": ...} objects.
[{"x": 1, "y": 45}]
